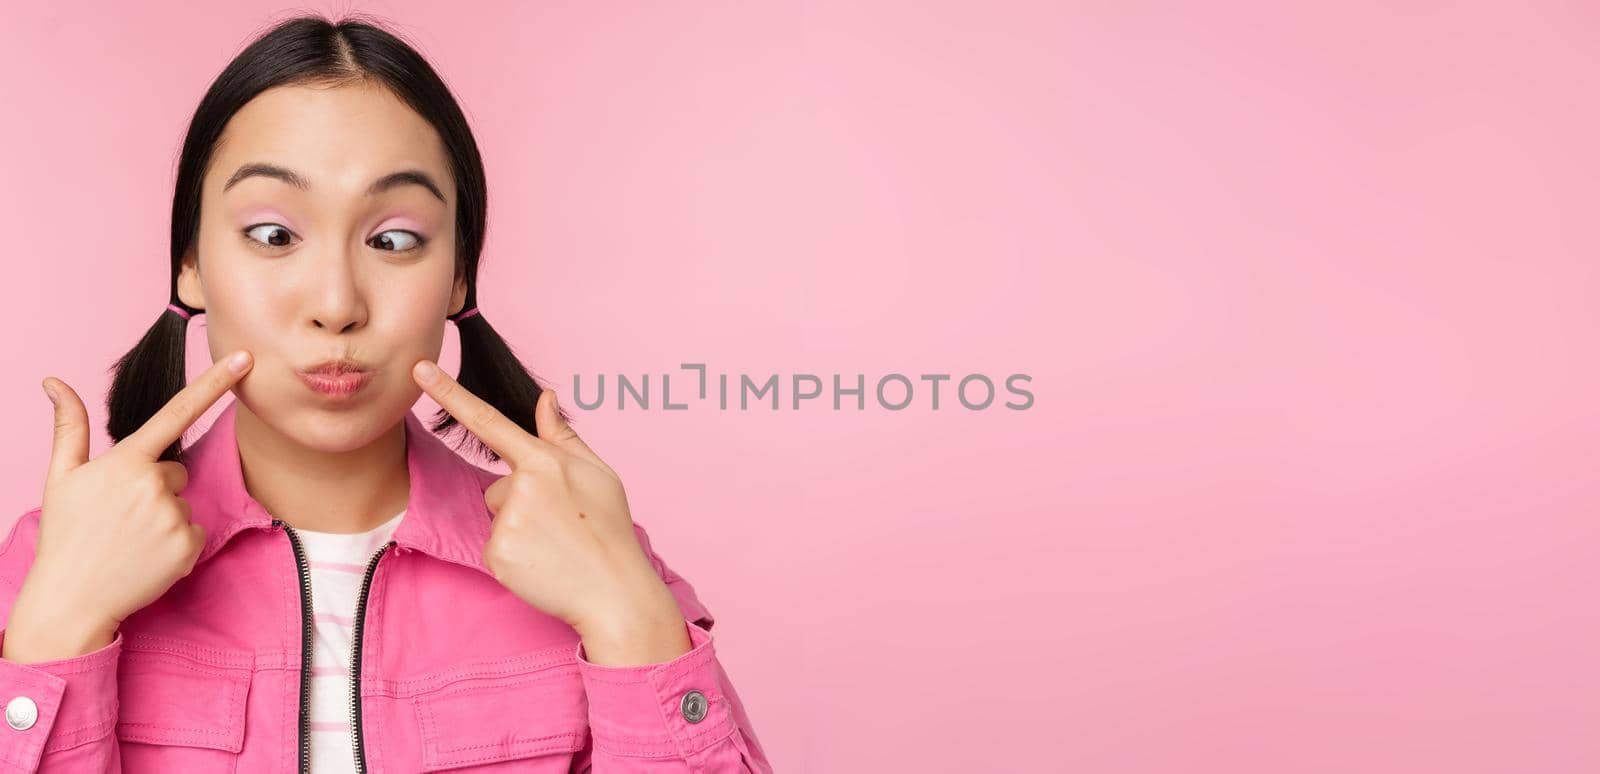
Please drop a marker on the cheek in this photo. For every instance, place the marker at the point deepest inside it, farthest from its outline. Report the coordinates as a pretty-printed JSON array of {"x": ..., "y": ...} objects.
[
  {"x": 242, "y": 314},
  {"x": 423, "y": 327},
  {"x": 243, "y": 303},
  {"x": 412, "y": 315}
]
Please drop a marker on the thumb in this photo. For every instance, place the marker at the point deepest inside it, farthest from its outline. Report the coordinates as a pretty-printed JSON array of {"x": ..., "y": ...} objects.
[
  {"x": 71, "y": 445},
  {"x": 554, "y": 428}
]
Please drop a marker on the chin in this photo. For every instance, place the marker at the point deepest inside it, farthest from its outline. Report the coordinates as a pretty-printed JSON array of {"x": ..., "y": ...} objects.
[
  {"x": 328, "y": 428},
  {"x": 347, "y": 432}
]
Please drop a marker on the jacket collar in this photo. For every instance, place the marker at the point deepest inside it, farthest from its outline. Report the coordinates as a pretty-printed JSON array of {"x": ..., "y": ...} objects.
[{"x": 446, "y": 516}]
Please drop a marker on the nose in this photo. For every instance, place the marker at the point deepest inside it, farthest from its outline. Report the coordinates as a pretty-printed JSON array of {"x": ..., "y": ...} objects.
[
  {"x": 337, "y": 300},
  {"x": 338, "y": 325}
]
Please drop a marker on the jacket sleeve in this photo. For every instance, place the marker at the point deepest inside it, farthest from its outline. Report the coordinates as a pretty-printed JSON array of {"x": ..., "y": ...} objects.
[
  {"x": 678, "y": 716},
  {"x": 61, "y": 715}
]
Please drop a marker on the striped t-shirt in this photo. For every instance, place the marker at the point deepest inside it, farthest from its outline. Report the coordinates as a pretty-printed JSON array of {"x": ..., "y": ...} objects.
[{"x": 338, "y": 564}]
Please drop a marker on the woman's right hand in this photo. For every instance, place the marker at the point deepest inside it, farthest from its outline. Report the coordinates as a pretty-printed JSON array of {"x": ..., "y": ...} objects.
[{"x": 113, "y": 533}]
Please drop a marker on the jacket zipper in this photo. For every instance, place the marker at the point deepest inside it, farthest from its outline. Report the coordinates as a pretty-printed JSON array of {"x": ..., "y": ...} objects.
[
  {"x": 355, "y": 661},
  {"x": 305, "y": 645},
  {"x": 305, "y": 648}
]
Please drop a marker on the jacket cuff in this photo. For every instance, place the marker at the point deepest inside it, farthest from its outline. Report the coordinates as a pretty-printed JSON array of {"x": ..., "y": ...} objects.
[
  {"x": 672, "y": 709},
  {"x": 70, "y": 701}
]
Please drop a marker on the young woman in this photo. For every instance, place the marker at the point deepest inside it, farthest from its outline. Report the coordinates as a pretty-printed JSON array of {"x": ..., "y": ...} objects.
[{"x": 319, "y": 583}]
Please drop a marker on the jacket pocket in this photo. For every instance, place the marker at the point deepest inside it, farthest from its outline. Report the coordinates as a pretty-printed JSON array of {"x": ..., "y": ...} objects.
[
  {"x": 526, "y": 715},
  {"x": 177, "y": 693}
]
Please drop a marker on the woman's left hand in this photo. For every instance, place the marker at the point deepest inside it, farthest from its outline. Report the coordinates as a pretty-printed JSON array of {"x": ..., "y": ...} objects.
[{"x": 562, "y": 538}]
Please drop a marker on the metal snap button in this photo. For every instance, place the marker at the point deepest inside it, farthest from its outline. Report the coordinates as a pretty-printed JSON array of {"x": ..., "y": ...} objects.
[
  {"x": 693, "y": 706},
  {"x": 21, "y": 713}
]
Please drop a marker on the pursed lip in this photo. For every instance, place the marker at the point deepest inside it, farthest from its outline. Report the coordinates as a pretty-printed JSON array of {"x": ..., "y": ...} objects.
[
  {"x": 337, "y": 379},
  {"x": 334, "y": 368}
]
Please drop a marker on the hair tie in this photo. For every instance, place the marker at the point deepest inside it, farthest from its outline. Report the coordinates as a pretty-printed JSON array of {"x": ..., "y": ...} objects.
[
  {"x": 464, "y": 315},
  {"x": 179, "y": 310}
]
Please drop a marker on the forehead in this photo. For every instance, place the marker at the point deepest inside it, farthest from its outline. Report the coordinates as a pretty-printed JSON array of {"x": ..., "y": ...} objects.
[{"x": 340, "y": 138}]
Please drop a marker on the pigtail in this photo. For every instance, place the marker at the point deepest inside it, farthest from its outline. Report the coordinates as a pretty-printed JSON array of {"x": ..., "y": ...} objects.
[
  {"x": 147, "y": 377},
  {"x": 492, "y": 371}
]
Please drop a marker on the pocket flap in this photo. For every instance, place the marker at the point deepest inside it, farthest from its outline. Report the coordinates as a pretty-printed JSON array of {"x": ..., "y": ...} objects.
[
  {"x": 175, "y": 692},
  {"x": 486, "y": 719}
]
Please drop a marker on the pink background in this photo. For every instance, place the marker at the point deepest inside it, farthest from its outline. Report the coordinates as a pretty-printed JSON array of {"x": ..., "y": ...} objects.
[{"x": 1308, "y": 298}]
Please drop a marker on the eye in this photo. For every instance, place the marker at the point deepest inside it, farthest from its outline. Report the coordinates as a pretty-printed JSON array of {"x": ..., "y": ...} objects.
[
  {"x": 270, "y": 235},
  {"x": 405, "y": 242}
]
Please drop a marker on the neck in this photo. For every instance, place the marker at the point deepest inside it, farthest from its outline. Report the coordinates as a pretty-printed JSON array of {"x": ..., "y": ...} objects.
[{"x": 343, "y": 492}]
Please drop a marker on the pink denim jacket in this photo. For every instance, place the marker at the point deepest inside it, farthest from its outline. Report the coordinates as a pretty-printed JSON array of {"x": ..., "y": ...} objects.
[{"x": 454, "y": 672}]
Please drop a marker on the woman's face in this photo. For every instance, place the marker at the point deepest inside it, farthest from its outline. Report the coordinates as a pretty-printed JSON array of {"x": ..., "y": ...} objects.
[{"x": 312, "y": 250}]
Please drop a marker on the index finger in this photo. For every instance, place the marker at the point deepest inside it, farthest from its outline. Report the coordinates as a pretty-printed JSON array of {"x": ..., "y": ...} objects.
[
  {"x": 514, "y": 444},
  {"x": 168, "y": 424}
]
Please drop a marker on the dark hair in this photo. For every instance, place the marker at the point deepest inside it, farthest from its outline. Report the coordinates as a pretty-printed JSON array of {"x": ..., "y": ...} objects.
[{"x": 310, "y": 49}]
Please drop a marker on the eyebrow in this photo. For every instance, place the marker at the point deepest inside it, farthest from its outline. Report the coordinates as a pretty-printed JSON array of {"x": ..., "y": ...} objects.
[{"x": 391, "y": 180}]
